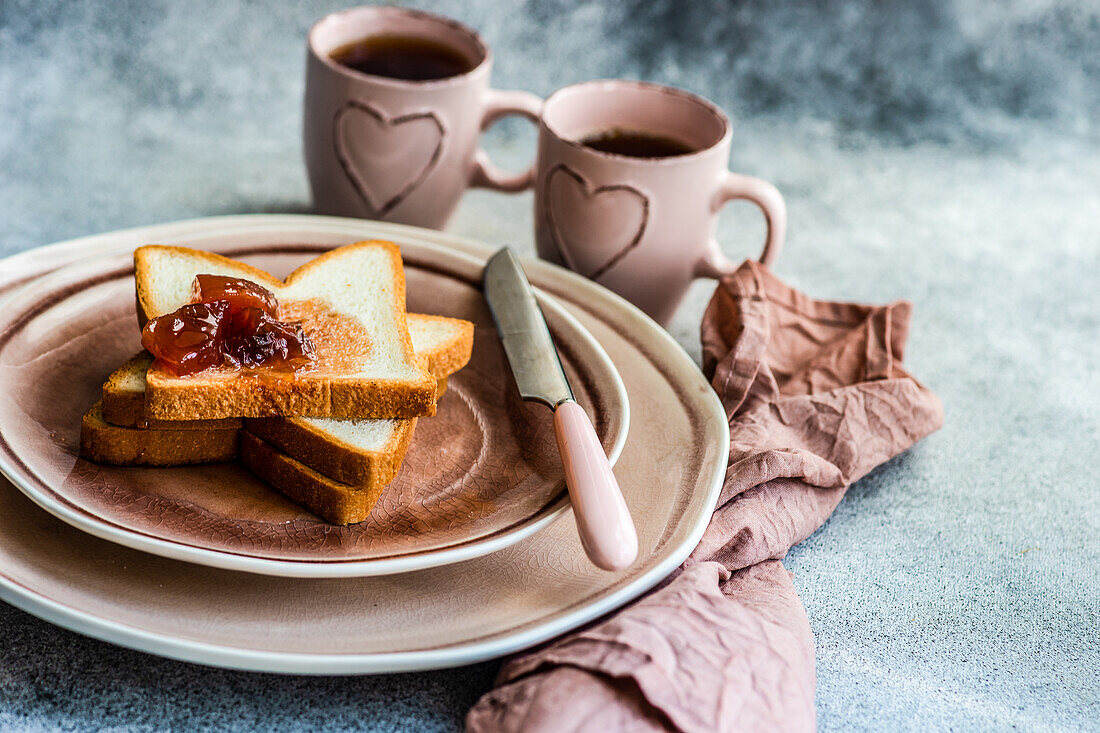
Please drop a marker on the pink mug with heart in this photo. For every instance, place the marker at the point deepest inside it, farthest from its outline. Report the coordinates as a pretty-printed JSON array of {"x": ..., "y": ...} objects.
[
  {"x": 630, "y": 180},
  {"x": 401, "y": 149}
]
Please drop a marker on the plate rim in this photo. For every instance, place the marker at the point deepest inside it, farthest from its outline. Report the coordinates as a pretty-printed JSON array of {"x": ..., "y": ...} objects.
[
  {"x": 232, "y": 657},
  {"x": 180, "y": 549}
]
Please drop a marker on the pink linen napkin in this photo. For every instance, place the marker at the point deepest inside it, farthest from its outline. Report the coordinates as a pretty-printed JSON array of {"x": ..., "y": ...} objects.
[{"x": 816, "y": 397}]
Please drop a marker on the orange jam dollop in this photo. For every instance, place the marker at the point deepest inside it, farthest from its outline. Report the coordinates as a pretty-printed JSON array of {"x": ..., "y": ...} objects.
[{"x": 229, "y": 323}]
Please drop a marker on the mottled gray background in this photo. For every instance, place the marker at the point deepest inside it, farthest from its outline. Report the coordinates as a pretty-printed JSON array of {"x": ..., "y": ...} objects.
[{"x": 945, "y": 151}]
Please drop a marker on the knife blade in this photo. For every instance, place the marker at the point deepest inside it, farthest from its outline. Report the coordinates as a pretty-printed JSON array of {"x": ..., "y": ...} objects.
[
  {"x": 524, "y": 333},
  {"x": 603, "y": 520}
]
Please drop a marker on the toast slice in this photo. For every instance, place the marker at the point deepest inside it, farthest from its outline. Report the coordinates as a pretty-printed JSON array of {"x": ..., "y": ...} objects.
[
  {"x": 361, "y": 453},
  {"x": 101, "y": 442},
  {"x": 123, "y": 401},
  {"x": 443, "y": 344},
  {"x": 333, "y": 501},
  {"x": 364, "y": 452},
  {"x": 351, "y": 302}
]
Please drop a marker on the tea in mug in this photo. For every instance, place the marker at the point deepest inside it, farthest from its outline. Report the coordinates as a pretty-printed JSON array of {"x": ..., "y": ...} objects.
[
  {"x": 408, "y": 58},
  {"x": 635, "y": 144}
]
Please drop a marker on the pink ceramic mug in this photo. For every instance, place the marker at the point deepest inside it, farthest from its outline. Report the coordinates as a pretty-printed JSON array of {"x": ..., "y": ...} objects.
[
  {"x": 643, "y": 227},
  {"x": 396, "y": 150}
]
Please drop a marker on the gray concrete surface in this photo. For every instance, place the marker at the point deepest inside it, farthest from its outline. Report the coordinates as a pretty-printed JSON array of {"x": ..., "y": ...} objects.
[{"x": 945, "y": 151}]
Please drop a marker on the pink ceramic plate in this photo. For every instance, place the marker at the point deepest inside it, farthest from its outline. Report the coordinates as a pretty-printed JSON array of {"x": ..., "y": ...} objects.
[
  {"x": 670, "y": 471},
  {"x": 480, "y": 475}
]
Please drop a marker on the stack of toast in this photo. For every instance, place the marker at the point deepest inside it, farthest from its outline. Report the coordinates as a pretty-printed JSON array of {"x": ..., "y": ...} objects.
[{"x": 330, "y": 437}]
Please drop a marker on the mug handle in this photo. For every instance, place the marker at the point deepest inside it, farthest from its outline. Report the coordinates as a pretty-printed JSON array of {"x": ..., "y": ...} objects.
[
  {"x": 498, "y": 104},
  {"x": 736, "y": 186}
]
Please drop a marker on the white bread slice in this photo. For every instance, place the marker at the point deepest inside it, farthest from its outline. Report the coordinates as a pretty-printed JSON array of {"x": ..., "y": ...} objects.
[
  {"x": 333, "y": 501},
  {"x": 361, "y": 453},
  {"x": 368, "y": 453},
  {"x": 101, "y": 442},
  {"x": 356, "y": 452},
  {"x": 443, "y": 344},
  {"x": 352, "y": 304}
]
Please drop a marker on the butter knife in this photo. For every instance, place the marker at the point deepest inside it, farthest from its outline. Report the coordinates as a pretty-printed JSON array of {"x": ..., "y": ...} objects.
[{"x": 603, "y": 520}]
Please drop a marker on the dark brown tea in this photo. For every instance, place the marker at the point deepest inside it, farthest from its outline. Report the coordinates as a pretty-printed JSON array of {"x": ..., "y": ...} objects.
[
  {"x": 402, "y": 57},
  {"x": 635, "y": 143}
]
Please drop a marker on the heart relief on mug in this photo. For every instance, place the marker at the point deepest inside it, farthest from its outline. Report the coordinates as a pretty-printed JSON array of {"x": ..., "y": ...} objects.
[{"x": 395, "y": 103}]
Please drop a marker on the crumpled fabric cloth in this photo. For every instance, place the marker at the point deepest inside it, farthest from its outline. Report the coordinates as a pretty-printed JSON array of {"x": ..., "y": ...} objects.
[{"x": 816, "y": 397}]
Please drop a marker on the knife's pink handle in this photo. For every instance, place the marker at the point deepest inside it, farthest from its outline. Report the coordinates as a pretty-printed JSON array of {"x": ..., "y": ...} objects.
[{"x": 603, "y": 521}]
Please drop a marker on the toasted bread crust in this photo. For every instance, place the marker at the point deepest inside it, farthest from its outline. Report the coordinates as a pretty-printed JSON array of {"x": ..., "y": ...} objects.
[
  {"x": 175, "y": 398},
  {"x": 101, "y": 442},
  {"x": 168, "y": 398},
  {"x": 332, "y": 501},
  {"x": 123, "y": 408}
]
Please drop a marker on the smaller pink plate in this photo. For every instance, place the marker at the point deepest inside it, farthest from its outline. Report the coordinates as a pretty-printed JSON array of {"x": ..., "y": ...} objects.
[{"x": 479, "y": 476}]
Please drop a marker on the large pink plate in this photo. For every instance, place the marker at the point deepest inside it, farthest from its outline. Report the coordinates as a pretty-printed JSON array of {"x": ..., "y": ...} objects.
[{"x": 670, "y": 470}]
